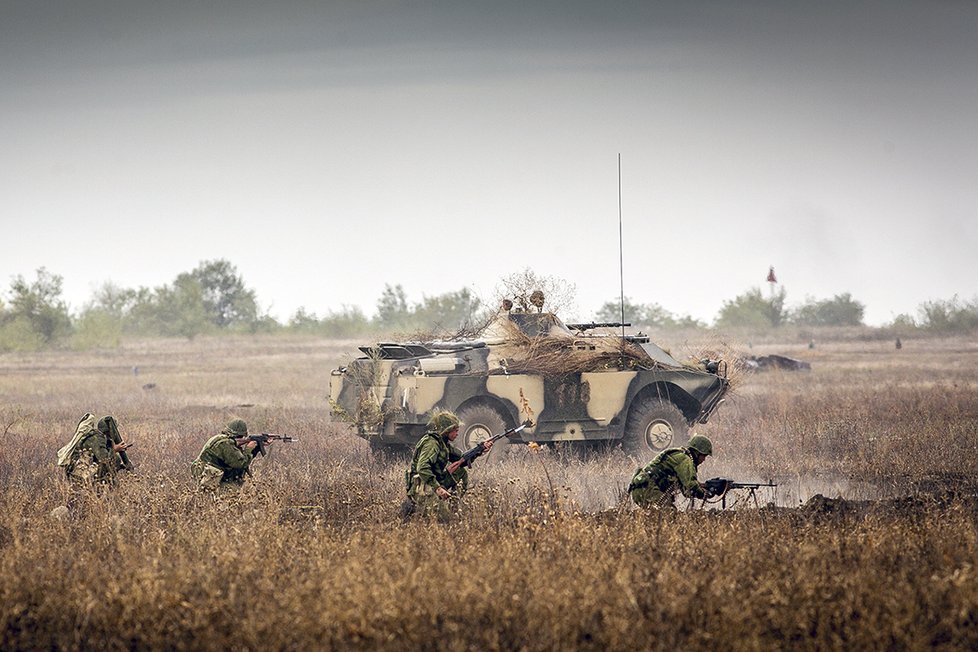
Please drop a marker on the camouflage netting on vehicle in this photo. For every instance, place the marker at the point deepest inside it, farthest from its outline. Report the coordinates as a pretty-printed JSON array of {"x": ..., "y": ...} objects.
[{"x": 556, "y": 355}]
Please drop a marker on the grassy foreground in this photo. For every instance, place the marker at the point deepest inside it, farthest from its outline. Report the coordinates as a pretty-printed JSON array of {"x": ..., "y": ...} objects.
[{"x": 312, "y": 554}]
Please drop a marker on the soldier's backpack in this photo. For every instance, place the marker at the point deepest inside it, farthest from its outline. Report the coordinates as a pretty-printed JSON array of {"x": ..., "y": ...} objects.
[{"x": 85, "y": 426}]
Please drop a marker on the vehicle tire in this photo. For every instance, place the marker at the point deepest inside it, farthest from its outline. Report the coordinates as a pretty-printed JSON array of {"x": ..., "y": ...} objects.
[
  {"x": 479, "y": 422},
  {"x": 653, "y": 425}
]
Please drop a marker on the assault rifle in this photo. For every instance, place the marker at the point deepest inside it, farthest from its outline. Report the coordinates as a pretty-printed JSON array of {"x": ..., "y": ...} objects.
[
  {"x": 720, "y": 487},
  {"x": 263, "y": 438},
  {"x": 592, "y": 324},
  {"x": 469, "y": 456}
]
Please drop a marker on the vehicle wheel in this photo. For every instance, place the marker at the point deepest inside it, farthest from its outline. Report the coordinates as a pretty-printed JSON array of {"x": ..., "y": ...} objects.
[
  {"x": 479, "y": 423},
  {"x": 653, "y": 425}
]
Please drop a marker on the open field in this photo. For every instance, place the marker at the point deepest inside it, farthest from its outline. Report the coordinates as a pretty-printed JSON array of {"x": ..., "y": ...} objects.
[{"x": 312, "y": 553}]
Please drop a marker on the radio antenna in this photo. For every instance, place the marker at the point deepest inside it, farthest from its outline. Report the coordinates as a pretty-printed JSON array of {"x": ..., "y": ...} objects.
[{"x": 621, "y": 267}]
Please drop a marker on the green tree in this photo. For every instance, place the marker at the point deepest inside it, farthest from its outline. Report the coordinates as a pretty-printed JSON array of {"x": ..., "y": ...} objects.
[
  {"x": 172, "y": 310},
  {"x": 96, "y": 329},
  {"x": 392, "y": 308},
  {"x": 611, "y": 311},
  {"x": 752, "y": 310},
  {"x": 647, "y": 314},
  {"x": 39, "y": 306},
  {"x": 840, "y": 310},
  {"x": 304, "y": 321},
  {"x": 348, "y": 322},
  {"x": 227, "y": 302},
  {"x": 953, "y": 316},
  {"x": 451, "y": 311},
  {"x": 141, "y": 315},
  {"x": 113, "y": 301},
  {"x": 182, "y": 310}
]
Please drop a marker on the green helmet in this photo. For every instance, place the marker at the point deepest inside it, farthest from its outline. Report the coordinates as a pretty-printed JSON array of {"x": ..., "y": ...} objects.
[
  {"x": 700, "y": 444},
  {"x": 236, "y": 428},
  {"x": 443, "y": 422}
]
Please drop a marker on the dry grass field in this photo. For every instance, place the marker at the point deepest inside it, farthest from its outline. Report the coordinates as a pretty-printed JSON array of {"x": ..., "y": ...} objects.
[{"x": 312, "y": 553}]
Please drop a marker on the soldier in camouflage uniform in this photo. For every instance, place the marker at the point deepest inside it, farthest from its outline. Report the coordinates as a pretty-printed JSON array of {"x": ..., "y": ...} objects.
[
  {"x": 437, "y": 469},
  {"x": 672, "y": 471},
  {"x": 95, "y": 453},
  {"x": 109, "y": 427},
  {"x": 225, "y": 459}
]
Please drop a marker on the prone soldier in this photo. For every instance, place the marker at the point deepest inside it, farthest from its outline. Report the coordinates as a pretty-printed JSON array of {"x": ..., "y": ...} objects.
[{"x": 672, "y": 471}]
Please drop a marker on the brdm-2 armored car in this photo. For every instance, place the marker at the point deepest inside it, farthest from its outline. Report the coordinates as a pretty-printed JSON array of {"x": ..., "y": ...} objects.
[{"x": 574, "y": 384}]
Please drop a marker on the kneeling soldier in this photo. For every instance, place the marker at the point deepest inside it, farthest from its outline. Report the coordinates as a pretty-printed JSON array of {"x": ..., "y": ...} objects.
[
  {"x": 95, "y": 453},
  {"x": 672, "y": 471},
  {"x": 225, "y": 458}
]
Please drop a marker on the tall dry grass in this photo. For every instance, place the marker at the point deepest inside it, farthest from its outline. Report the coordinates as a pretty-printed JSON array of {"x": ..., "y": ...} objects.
[{"x": 312, "y": 553}]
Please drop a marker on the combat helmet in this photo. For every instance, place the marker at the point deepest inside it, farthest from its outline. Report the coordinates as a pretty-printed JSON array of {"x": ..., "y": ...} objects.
[
  {"x": 700, "y": 444},
  {"x": 236, "y": 428},
  {"x": 443, "y": 422}
]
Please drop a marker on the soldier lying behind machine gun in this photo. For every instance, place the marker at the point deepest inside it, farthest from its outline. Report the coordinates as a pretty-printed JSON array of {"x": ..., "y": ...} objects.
[{"x": 721, "y": 486}]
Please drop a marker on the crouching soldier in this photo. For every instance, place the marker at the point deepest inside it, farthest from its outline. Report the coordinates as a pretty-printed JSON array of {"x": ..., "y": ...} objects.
[
  {"x": 225, "y": 459},
  {"x": 437, "y": 474},
  {"x": 672, "y": 471},
  {"x": 109, "y": 427},
  {"x": 95, "y": 453}
]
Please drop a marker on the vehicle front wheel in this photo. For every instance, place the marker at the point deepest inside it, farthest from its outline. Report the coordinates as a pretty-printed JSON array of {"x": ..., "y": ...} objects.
[
  {"x": 479, "y": 422},
  {"x": 653, "y": 425}
]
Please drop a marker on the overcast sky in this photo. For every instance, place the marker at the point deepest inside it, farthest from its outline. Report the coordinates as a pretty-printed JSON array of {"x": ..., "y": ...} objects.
[{"x": 329, "y": 148}]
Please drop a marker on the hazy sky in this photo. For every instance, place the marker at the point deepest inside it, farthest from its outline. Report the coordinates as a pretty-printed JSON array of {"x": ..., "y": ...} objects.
[{"x": 328, "y": 148}]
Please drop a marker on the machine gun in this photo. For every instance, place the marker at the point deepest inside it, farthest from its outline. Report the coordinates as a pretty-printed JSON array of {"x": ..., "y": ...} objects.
[
  {"x": 263, "y": 438},
  {"x": 593, "y": 324},
  {"x": 470, "y": 455},
  {"x": 721, "y": 486}
]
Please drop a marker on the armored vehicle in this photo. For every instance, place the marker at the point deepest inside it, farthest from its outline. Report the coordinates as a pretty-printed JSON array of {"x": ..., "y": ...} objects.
[{"x": 574, "y": 383}]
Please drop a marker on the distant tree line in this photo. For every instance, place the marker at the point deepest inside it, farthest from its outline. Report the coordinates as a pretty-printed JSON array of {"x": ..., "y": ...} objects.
[
  {"x": 444, "y": 314},
  {"x": 753, "y": 311},
  {"x": 213, "y": 299},
  {"x": 749, "y": 310}
]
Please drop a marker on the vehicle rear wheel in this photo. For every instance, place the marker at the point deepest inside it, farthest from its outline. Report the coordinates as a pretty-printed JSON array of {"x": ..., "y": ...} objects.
[
  {"x": 653, "y": 425},
  {"x": 479, "y": 423}
]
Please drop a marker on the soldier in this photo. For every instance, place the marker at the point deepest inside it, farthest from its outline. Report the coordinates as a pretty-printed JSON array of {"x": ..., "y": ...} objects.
[
  {"x": 437, "y": 469},
  {"x": 95, "y": 453},
  {"x": 536, "y": 298},
  {"x": 225, "y": 458},
  {"x": 109, "y": 427},
  {"x": 673, "y": 470}
]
